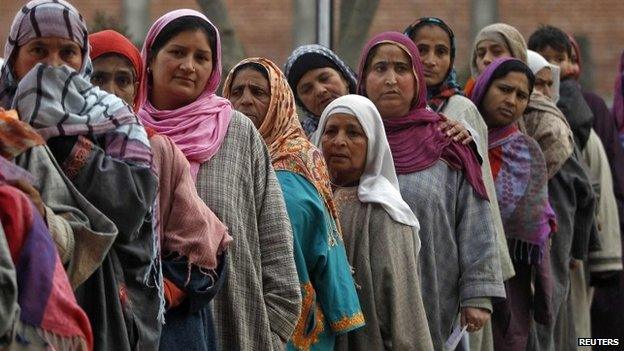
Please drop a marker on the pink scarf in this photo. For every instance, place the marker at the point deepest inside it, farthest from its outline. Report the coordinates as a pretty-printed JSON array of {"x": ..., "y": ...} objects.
[
  {"x": 198, "y": 128},
  {"x": 415, "y": 141}
]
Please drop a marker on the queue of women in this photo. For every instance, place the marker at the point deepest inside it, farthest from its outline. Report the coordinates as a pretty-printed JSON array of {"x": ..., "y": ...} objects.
[{"x": 142, "y": 211}]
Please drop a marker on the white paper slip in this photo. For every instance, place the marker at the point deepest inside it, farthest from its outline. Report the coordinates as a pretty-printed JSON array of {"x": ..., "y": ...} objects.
[{"x": 456, "y": 336}]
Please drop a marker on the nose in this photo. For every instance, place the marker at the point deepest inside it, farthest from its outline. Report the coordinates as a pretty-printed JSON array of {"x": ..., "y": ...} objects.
[
  {"x": 511, "y": 99},
  {"x": 246, "y": 98},
  {"x": 54, "y": 59},
  {"x": 428, "y": 59},
  {"x": 340, "y": 139},
  {"x": 187, "y": 64},
  {"x": 319, "y": 90},
  {"x": 391, "y": 77},
  {"x": 488, "y": 58}
]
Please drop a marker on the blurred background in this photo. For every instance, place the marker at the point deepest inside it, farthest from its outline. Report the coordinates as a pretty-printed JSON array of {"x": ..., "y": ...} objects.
[{"x": 273, "y": 28}]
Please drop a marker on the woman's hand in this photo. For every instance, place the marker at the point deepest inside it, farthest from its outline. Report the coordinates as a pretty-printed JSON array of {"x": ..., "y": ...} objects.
[
  {"x": 474, "y": 317},
  {"x": 455, "y": 130},
  {"x": 32, "y": 193}
]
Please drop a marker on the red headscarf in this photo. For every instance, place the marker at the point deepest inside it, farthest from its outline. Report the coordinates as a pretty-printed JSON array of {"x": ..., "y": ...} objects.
[
  {"x": 111, "y": 42},
  {"x": 415, "y": 141}
]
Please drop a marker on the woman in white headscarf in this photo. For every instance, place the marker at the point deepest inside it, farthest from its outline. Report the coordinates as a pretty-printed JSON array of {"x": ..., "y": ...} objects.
[{"x": 380, "y": 230}]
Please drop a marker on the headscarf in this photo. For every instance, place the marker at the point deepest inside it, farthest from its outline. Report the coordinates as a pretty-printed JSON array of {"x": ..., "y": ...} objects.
[
  {"x": 618, "y": 97},
  {"x": 36, "y": 19},
  {"x": 111, "y": 42},
  {"x": 288, "y": 145},
  {"x": 577, "y": 50},
  {"x": 438, "y": 95},
  {"x": 414, "y": 139},
  {"x": 503, "y": 34},
  {"x": 379, "y": 183},
  {"x": 306, "y": 58},
  {"x": 59, "y": 101},
  {"x": 198, "y": 128},
  {"x": 536, "y": 63}
]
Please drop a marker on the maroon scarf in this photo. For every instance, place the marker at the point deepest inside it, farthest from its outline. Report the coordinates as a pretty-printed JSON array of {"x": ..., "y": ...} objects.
[{"x": 415, "y": 141}]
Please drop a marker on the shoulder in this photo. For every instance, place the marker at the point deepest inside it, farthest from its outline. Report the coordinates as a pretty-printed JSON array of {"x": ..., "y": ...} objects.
[{"x": 297, "y": 189}]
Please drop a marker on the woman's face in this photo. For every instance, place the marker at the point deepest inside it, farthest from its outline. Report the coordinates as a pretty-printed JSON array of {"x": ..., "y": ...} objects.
[
  {"x": 506, "y": 100},
  {"x": 488, "y": 51},
  {"x": 390, "y": 82},
  {"x": 180, "y": 70},
  {"x": 544, "y": 81},
  {"x": 434, "y": 48},
  {"x": 250, "y": 94},
  {"x": 319, "y": 87},
  {"x": 115, "y": 74},
  {"x": 51, "y": 51},
  {"x": 344, "y": 146}
]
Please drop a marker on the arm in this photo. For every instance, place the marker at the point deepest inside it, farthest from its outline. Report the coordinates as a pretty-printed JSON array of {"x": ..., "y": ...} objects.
[
  {"x": 282, "y": 293},
  {"x": 113, "y": 185},
  {"x": 481, "y": 275},
  {"x": 326, "y": 262},
  {"x": 398, "y": 299},
  {"x": 584, "y": 217}
]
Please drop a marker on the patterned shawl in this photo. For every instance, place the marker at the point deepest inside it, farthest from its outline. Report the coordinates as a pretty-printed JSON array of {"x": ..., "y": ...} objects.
[
  {"x": 521, "y": 180},
  {"x": 58, "y": 101},
  {"x": 415, "y": 141},
  {"x": 198, "y": 128},
  {"x": 111, "y": 42},
  {"x": 618, "y": 98},
  {"x": 45, "y": 297},
  {"x": 299, "y": 59},
  {"x": 438, "y": 95},
  {"x": 288, "y": 145},
  {"x": 16, "y": 136},
  {"x": 503, "y": 34}
]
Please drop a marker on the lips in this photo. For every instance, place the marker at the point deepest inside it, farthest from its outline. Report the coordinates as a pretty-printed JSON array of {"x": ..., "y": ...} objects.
[
  {"x": 184, "y": 79},
  {"x": 505, "y": 112}
]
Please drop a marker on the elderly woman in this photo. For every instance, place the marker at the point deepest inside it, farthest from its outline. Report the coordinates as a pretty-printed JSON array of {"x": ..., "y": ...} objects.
[
  {"x": 317, "y": 76},
  {"x": 259, "y": 304},
  {"x": 442, "y": 183},
  {"x": 192, "y": 239},
  {"x": 101, "y": 147},
  {"x": 330, "y": 306},
  {"x": 502, "y": 94},
  {"x": 377, "y": 224}
]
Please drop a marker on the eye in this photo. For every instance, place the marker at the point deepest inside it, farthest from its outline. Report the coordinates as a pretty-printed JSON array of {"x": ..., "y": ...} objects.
[
  {"x": 330, "y": 131},
  {"x": 69, "y": 52},
  {"x": 176, "y": 52},
  {"x": 258, "y": 92},
  {"x": 202, "y": 58},
  {"x": 123, "y": 81},
  {"x": 38, "y": 51},
  {"x": 442, "y": 51},
  {"x": 480, "y": 53},
  {"x": 97, "y": 80},
  {"x": 236, "y": 92},
  {"x": 323, "y": 78},
  {"x": 423, "y": 49},
  {"x": 402, "y": 68}
]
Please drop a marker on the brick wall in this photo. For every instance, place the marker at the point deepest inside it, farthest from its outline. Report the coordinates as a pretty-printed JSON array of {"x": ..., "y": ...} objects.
[{"x": 265, "y": 26}]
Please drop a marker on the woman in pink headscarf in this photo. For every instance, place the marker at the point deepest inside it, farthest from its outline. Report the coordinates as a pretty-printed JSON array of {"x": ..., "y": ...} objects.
[{"x": 259, "y": 304}]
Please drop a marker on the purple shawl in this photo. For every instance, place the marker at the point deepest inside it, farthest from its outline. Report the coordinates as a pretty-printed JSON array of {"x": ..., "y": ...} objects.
[
  {"x": 618, "y": 97},
  {"x": 415, "y": 141}
]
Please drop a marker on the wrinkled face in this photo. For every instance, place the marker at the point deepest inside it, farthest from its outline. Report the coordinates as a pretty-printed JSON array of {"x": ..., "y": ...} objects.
[
  {"x": 116, "y": 75},
  {"x": 180, "y": 70},
  {"x": 250, "y": 94},
  {"x": 558, "y": 58},
  {"x": 320, "y": 86},
  {"x": 434, "y": 47},
  {"x": 51, "y": 51},
  {"x": 544, "y": 82},
  {"x": 390, "y": 81},
  {"x": 488, "y": 51},
  {"x": 506, "y": 100},
  {"x": 344, "y": 146}
]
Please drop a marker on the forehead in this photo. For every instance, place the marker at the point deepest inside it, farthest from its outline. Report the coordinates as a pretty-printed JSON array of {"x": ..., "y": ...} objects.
[
  {"x": 51, "y": 41},
  {"x": 544, "y": 73},
  {"x": 433, "y": 33},
  {"x": 113, "y": 62},
  {"x": 390, "y": 52},
  {"x": 517, "y": 80},
  {"x": 251, "y": 76},
  {"x": 552, "y": 52},
  {"x": 490, "y": 44},
  {"x": 315, "y": 72},
  {"x": 194, "y": 37},
  {"x": 343, "y": 120}
]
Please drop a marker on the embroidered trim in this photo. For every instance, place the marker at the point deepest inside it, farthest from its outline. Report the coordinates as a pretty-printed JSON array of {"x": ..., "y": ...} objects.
[
  {"x": 301, "y": 338},
  {"x": 77, "y": 158},
  {"x": 348, "y": 323}
]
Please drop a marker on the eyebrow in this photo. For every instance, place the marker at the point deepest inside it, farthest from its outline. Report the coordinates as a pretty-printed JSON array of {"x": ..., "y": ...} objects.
[{"x": 185, "y": 47}]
